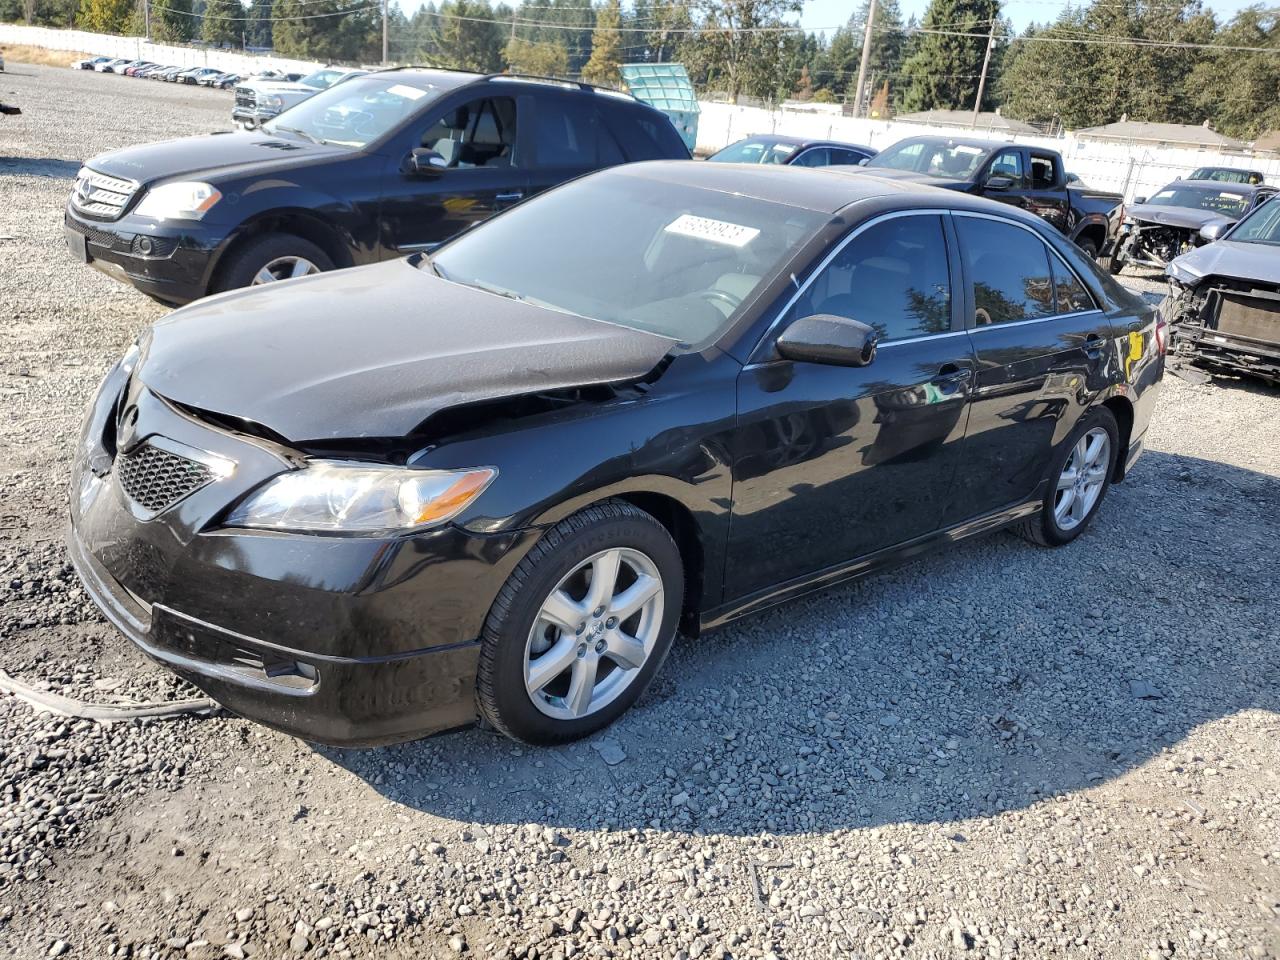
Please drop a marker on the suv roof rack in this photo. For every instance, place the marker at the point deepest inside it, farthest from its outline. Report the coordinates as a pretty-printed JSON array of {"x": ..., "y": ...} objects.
[{"x": 521, "y": 77}]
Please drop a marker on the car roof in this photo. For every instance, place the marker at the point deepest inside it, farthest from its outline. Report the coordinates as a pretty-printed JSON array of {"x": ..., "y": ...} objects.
[
  {"x": 960, "y": 141},
  {"x": 826, "y": 190},
  {"x": 801, "y": 141}
]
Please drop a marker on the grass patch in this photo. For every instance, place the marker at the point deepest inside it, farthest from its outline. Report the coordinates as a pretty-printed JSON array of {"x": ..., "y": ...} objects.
[{"x": 20, "y": 53}]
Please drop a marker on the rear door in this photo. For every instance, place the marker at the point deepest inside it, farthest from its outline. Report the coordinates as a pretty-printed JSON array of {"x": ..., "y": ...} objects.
[
  {"x": 833, "y": 463},
  {"x": 1041, "y": 346},
  {"x": 484, "y": 143}
]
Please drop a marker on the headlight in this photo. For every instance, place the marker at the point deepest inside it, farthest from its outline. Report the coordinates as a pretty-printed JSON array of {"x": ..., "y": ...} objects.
[
  {"x": 1180, "y": 273},
  {"x": 271, "y": 100},
  {"x": 178, "y": 201},
  {"x": 340, "y": 497}
]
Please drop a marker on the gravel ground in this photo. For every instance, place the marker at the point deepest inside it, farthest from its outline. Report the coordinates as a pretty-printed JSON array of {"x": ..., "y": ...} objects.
[{"x": 996, "y": 751}]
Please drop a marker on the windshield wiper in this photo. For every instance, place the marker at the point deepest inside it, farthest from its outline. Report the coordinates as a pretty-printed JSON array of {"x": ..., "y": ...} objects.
[{"x": 302, "y": 133}]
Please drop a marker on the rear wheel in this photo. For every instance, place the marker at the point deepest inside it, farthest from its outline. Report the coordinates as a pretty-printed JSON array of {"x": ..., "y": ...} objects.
[
  {"x": 582, "y": 625},
  {"x": 1080, "y": 476},
  {"x": 272, "y": 257}
]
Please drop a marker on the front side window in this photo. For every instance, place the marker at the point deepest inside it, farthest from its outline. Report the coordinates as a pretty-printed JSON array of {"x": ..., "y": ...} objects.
[
  {"x": 1009, "y": 269},
  {"x": 813, "y": 157},
  {"x": 846, "y": 157},
  {"x": 893, "y": 276},
  {"x": 671, "y": 259},
  {"x": 481, "y": 133},
  {"x": 1008, "y": 164}
]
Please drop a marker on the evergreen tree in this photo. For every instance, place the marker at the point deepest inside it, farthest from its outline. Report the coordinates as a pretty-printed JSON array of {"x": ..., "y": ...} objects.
[
  {"x": 224, "y": 22},
  {"x": 105, "y": 16},
  {"x": 353, "y": 37},
  {"x": 470, "y": 44},
  {"x": 172, "y": 21},
  {"x": 740, "y": 45},
  {"x": 1250, "y": 104},
  {"x": 258, "y": 27},
  {"x": 536, "y": 58},
  {"x": 604, "y": 66},
  {"x": 942, "y": 72}
]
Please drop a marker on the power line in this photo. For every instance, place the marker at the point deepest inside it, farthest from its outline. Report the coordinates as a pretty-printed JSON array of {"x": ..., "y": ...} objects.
[{"x": 1111, "y": 42}]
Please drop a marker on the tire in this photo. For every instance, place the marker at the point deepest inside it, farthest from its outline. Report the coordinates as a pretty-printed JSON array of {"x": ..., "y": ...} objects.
[
  {"x": 258, "y": 254},
  {"x": 538, "y": 707},
  {"x": 1056, "y": 523}
]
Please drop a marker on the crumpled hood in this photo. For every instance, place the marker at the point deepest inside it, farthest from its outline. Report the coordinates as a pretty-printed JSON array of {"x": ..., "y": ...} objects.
[
  {"x": 374, "y": 351},
  {"x": 910, "y": 176},
  {"x": 1187, "y": 218},
  {"x": 1259, "y": 262},
  {"x": 208, "y": 156}
]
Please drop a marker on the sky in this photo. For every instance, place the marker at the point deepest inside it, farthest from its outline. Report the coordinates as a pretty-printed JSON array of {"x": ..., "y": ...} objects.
[{"x": 826, "y": 14}]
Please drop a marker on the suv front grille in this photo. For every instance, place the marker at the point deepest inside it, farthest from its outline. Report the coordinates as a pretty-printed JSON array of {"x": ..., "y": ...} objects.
[
  {"x": 156, "y": 479},
  {"x": 101, "y": 196},
  {"x": 245, "y": 98}
]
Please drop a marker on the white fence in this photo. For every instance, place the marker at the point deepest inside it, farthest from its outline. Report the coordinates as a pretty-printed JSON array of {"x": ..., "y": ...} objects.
[
  {"x": 107, "y": 45},
  {"x": 1131, "y": 169},
  {"x": 1134, "y": 170}
]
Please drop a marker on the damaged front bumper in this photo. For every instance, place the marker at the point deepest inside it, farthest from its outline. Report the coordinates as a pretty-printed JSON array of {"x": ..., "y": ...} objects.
[{"x": 1229, "y": 325}]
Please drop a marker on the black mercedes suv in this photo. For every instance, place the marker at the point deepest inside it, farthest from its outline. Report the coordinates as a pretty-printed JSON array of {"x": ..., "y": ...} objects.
[{"x": 390, "y": 163}]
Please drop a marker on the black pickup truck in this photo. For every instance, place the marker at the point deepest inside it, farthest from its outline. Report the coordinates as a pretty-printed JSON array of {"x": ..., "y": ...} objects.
[{"x": 1029, "y": 177}]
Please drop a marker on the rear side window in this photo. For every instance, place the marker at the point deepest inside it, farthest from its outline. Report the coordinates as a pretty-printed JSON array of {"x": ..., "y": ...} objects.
[
  {"x": 570, "y": 134},
  {"x": 1044, "y": 171},
  {"x": 1009, "y": 269},
  {"x": 645, "y": 135},
  {"x": 1072, "y": 297}
]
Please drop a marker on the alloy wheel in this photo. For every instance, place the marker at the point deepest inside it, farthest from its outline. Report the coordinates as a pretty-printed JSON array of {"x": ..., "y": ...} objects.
[
  {"x": 1082, "y": 479},
  {"x": 593, "y": 634},
  {"x": 284, "y": 268}
]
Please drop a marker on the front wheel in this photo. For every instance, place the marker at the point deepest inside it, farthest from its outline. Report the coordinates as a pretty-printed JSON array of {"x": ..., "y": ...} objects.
[
  {"x": 582, "y": 625},
  {"x": 272, "y": 257},
  {"x": 1080, "y": 476}
]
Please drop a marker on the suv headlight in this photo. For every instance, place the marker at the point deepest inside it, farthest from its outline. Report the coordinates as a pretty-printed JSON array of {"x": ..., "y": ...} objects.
[
  {"x": 332, "y": 496},
  {"x": 185, "y": 200},
  {"x": 1180, "y": 273},
  {"x": 271, "y": 100}
]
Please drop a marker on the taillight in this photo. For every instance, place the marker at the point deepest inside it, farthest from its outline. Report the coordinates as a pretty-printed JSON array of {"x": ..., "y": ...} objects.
[{"x": 1162, "y": 337}]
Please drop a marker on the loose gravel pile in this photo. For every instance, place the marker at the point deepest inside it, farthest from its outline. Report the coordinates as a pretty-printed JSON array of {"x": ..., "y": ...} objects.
[{"x": 997, "y": 751}]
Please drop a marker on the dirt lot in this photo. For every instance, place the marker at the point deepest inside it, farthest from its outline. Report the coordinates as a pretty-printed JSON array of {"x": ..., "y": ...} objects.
[{"x": 997, "y": 751}]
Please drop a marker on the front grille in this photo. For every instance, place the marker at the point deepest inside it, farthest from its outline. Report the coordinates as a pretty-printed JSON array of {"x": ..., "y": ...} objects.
[
  {"x": 99, "y": 195},
  {"x": 156, "y": 479},
  {"x": 99, "y": 238},
  {"x": 246, "y": 98}
]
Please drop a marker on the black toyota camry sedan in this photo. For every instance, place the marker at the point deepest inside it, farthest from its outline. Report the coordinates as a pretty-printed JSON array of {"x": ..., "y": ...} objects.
[{"x": 369, "y": 505}]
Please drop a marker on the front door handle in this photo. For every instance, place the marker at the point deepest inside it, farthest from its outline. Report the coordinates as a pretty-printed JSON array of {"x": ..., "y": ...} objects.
[
  {"x": 951, "y": 375},
  {"x": 510, "y": 197}
]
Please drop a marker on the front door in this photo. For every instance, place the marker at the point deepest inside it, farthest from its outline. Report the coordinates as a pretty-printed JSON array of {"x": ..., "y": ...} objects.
[
  {"x": 832, "y": 463},
  {"x": 1041, "y": 345},
  {"x": 483, "y": 173}
]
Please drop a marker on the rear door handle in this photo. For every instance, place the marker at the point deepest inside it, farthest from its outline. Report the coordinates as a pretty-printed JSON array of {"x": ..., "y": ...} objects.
[
  {"x": 1093, "y": 345},
  {"x": 509, "y": 197},
  {"x": 951, "y": 375}
]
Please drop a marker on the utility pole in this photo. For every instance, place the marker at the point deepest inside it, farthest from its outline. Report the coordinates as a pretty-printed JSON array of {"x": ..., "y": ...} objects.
[
  {"x": 866, "y": 56},
  {"x": 982, "y": 81},
  {"x": 146, "y": 17},
  {"x": 384, "y": 32}
]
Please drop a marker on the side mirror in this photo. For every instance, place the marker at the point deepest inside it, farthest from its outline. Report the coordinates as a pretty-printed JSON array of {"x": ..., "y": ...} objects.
[
  {"x": 825, "y": 338},
  {"x": 863, "y": 162},
  {"x": 1138, "y": 200},
  {"x": 1213, "y": 231},
  {"x": 999, "y": 182},
  {"x": 426, "y": 163}
]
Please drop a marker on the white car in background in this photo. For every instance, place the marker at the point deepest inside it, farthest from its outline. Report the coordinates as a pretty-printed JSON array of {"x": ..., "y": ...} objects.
[{"x": 259, "y": 100}]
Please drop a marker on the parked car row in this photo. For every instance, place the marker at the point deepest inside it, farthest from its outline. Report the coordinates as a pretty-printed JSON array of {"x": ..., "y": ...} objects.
[{"x": 197, "y": 76}]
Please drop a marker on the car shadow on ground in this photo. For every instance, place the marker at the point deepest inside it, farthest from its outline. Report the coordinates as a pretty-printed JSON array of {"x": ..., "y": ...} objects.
[
  {"x": 39, "y": 167},
  {"x": 980, "y": 679}
]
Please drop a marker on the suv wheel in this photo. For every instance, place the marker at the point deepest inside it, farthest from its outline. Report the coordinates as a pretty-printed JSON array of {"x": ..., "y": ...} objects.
[
  {"x": 272, "y": 257},
  {"x": 1080, "y": 476},
  {"x": 582, "y": 625}
]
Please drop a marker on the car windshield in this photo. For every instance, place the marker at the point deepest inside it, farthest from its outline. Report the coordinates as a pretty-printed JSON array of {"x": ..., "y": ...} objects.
[
  {"x": 1224, "y": 175},
  {"x": 322, "y": 78},
  {"x": 1230, "y": 203},
  {"x": 678, "y": 261},
  {"x": 354, "y": 113},
  {"x": 755, "y": 151},
  {"x": 1261, "y": 226},
  {"x": 935, "y": 158}
]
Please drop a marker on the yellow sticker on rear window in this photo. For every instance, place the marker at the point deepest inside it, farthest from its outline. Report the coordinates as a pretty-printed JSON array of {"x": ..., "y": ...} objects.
[{"x": 716, "y": 231}]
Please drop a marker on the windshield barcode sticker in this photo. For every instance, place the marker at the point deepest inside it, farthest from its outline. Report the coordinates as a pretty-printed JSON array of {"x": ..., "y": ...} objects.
[{"x": 717, "y": 231}]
